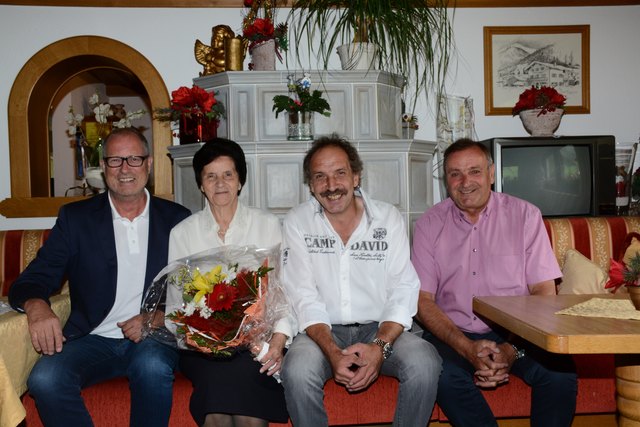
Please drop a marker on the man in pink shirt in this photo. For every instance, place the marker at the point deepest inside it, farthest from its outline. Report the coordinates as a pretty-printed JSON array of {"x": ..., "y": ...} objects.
[{"x": 478, "y": 243}]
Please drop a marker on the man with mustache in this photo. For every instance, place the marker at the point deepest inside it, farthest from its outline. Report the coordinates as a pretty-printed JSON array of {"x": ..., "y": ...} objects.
[
  {"x": 347, "y": 271},
  {"x": 478, "y": 242}
]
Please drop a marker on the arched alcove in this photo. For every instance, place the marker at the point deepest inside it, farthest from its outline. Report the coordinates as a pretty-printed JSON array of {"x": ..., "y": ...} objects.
[{"x": 31, "y": 97}]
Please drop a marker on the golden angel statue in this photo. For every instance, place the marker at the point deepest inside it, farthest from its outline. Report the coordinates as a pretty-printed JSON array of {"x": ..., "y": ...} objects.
[{"x": 212, "y": 57}]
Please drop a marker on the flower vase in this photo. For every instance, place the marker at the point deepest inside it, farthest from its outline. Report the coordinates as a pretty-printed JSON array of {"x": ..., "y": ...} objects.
[
  {"x": 196, "y": 127},
  {"x": 537, "y": 124},
  {"x": 95, "y": 154},
  {"x": 263, "y": 56},
  {"x": 407, "y": 131},
  {"x": 634, "y": 295},
  {"x": 300, "y": 125},
  {"x": 95, "y": 179}
]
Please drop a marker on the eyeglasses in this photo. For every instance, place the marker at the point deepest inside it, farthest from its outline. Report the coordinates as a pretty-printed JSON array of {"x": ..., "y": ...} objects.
[{"x": 133, "y": 161}]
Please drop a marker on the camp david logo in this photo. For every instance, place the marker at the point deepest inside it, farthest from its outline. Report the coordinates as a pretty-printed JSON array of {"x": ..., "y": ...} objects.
[{"x": 379, "y": 233}]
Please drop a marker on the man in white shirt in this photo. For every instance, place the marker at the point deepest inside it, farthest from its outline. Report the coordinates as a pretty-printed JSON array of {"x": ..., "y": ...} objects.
[
  {"x": 347, "y": 271},
  {"x": 109, "y": 247}
]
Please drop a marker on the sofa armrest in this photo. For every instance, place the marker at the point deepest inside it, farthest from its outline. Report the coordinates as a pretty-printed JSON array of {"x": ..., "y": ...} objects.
[{"x": 17, "y": 249}]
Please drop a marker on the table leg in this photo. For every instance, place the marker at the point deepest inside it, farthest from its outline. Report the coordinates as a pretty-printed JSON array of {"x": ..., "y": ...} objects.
[{"x": 628, "y": 390}]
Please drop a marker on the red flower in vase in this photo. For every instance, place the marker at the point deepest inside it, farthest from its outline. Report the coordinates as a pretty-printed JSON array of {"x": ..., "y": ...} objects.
[
  {"x": 185, "y": 100},
  {"x": 197, "y": 111},
  {"x": 545, "y": 98},
  {"x": 196, "y": 98},
  {"x": 260, "y": 29},
  {"x": 621, "y": 274},
  {"x": 258, "y": 26}
]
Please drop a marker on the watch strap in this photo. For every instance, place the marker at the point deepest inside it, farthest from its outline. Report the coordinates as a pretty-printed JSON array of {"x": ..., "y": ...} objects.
[
  {"x": 520, "y": 353},
  {"x": 386, "y": 347}
]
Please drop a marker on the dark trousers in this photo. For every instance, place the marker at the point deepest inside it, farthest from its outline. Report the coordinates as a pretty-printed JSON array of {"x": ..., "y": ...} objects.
[
  {"x": 551, "y": 376},
  {"x": 55, "y": 381}
]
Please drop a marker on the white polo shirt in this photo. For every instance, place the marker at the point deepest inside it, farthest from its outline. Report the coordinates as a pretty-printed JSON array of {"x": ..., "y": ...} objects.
[{"x": 132, "y": 241}]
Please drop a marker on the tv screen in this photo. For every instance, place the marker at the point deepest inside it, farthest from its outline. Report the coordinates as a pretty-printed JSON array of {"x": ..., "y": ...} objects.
[
  {"x": 557, "y": 179},
  {"x": 565, "y": 176}
]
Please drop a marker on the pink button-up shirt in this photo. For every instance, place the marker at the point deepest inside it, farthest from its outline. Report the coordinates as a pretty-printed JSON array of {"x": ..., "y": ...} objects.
[{"x": 506, "y": 250}]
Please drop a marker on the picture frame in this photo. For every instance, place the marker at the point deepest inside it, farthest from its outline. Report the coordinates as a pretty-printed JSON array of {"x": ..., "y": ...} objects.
[{"x": 516, "y": 58}]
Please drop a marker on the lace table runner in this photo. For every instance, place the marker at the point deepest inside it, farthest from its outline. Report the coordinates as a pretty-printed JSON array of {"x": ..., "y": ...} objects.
[{"x": 602, "y": 307}]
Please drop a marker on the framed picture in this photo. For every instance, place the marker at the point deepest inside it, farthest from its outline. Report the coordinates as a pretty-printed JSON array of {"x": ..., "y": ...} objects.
[{"x": 516, "y": 58}]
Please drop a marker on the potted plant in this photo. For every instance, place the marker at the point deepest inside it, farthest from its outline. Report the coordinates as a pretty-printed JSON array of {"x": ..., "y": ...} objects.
[
  {"x": 540, "y": 109},
  {"x": 626, "y": 274},
  {"x": 266, "y": 41},
  {"x": 300, "y": 105},
  {"x": 197, "y": 111},
  {"x": 409, "y": 125},
  {"x": 412, "y": 38}
]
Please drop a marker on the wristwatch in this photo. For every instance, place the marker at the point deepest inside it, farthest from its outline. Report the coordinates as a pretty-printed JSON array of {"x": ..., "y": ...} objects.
[
  {"x": 387, "y": 348},
  {"x": 519, "y": 352}
]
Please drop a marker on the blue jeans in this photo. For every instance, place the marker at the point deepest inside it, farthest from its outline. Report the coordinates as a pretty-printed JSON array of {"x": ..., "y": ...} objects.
[
  {"x": 414, "y": 362},
  {"x": 552, "y": 378},
  {"x": 55, "y": 381}
]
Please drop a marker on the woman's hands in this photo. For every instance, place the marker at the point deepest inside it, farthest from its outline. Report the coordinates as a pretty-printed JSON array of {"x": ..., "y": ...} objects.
[{"x": 272, "y": 360}]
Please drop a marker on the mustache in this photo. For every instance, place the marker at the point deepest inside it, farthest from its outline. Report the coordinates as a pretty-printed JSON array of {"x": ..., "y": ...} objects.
[{"x": 338, "y": 191}]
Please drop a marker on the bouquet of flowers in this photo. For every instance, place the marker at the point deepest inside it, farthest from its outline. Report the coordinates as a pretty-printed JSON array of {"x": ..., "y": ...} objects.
[
  {"x": 301, "y": 98},
  {"x": 217, "y": 300},
  {"x": 544, "y": 98}
]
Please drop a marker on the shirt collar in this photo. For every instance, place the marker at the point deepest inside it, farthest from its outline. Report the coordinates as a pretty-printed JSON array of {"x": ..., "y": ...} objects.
[
  {"x": 486, "y": 212},
  {"x": 143, "y": 214},
  {"x": 239, "y": 220}
]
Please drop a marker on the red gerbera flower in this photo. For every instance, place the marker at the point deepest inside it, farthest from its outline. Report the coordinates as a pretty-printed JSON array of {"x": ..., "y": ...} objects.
[{"x": 222, "y": 297}]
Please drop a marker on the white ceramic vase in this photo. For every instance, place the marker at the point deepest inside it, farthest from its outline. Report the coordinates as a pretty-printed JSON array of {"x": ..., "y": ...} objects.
[
  {"x": 357, "y": 56},
  {"x": 95, "y": 179},
  {"x": 263, "y": 56},
  {"x": 537, "y": 124}
]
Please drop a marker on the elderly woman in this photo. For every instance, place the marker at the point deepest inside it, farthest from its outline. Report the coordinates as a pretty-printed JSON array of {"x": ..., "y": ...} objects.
[{"x": 235, "y": 391}]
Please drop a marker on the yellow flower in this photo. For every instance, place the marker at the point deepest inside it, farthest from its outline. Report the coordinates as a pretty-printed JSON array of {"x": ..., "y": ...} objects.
[
  {"x": 216, "y": 275},
  {"x": 204, "y": 284}
]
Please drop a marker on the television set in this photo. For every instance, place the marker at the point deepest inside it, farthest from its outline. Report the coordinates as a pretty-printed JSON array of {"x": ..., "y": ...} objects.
[{"x": 562, "y": 176}]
